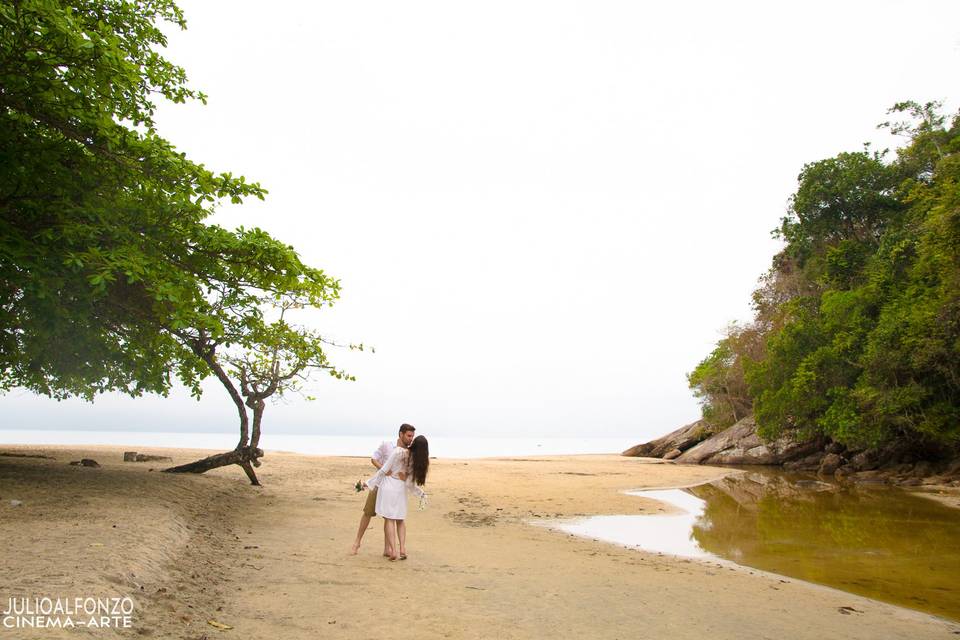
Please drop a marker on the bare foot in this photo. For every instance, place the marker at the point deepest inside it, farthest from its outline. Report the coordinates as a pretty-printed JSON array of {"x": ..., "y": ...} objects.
[{"x": 354, "y": 549}]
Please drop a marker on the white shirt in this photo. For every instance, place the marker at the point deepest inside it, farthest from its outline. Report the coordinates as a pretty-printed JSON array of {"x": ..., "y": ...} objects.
[{"x": 383, "y": 452}]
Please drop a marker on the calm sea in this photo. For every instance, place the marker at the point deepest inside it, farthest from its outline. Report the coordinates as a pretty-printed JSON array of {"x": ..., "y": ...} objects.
[{"x": 440, "y": 446}]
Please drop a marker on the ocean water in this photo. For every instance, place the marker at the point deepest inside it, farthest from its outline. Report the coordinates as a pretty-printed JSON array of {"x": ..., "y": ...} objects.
[{"x": 440, "y": 446}]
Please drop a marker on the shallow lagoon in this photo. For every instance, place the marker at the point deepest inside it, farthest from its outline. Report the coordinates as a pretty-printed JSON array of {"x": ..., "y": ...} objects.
[{"x": 876, "y": 541}]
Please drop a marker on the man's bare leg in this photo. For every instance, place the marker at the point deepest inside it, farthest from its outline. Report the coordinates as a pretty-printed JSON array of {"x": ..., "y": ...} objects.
[{"x": 364, "y": 523}]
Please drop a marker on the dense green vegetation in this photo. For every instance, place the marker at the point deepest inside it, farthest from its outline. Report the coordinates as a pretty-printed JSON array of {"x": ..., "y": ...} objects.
[
  {"x": 856, "y": 333},
  {"x": 111, "y": 276}
]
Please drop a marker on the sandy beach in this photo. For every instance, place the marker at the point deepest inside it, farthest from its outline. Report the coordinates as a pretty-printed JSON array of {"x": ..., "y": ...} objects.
[{"x": 273, "y": 560}]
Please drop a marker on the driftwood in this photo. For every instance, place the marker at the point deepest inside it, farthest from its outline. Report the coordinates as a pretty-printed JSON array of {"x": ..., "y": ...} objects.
[
  {"x": 26, "y": 455},
  {"x": 245, "y": 457}
]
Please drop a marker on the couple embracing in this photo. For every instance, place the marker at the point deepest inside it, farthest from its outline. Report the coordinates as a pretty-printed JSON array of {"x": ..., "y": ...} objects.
[{"x": 400, "y": 468}]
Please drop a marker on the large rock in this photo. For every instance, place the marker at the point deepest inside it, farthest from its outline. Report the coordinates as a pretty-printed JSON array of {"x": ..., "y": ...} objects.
[
  {"x": 830, "y": 463},
  {"x": 865, "y": 461},
  {"x": 682, "y": 439},
  {"x": 740, "y": 444}
]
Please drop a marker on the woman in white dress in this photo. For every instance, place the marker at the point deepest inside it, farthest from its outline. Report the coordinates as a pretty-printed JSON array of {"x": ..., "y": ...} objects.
[{"x": 405, "y": 470}]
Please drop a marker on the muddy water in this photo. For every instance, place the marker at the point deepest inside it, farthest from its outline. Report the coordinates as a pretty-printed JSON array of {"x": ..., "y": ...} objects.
[{"x": 875, "y": 541}]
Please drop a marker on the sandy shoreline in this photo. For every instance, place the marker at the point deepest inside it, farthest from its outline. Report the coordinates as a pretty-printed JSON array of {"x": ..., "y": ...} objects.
[{"x": 190, "y": 549}]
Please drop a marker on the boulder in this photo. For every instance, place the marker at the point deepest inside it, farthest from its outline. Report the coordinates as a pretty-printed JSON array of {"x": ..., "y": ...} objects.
[
  {"x": 129, "y": 456},
  {"x": 740, "y": 444},
  {"x": 953, "y": 468},
  {"x": 726, "y": 440},
  {"x": 830, "y": 463},
  {"x": 835, "y": 447},
  {"x": 682, "y": 439},
  {"x": 864, "y": 461},
  {"x": 923, "y": 469}
]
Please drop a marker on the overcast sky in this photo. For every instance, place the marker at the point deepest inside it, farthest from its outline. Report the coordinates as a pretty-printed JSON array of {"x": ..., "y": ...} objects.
[{"x": 542, "y": 213}]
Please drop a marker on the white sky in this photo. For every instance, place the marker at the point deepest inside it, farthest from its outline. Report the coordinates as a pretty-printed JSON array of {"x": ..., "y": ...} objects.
[{"x": 542, "y": 213}]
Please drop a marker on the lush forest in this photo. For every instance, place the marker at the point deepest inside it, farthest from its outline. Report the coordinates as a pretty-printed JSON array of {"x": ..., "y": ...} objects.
[{"x": 856, "y": 327}]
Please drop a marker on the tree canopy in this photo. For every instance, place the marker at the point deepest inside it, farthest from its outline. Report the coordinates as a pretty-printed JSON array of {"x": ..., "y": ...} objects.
[
  {"x": 857, "y": 327},
  {"x": 108, "y": 266}
]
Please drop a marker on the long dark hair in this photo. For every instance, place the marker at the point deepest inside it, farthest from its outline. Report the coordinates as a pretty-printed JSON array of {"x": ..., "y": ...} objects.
[{"x": 419, "y": 459}]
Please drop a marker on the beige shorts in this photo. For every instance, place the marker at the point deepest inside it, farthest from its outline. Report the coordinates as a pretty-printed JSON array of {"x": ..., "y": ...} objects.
[{"x": 370, "y": 506}]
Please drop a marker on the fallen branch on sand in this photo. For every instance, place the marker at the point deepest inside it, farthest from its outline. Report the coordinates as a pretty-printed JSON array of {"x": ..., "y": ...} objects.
[
  {"x": 25, "y": 455},
  {"x": 246, "y": 457}
]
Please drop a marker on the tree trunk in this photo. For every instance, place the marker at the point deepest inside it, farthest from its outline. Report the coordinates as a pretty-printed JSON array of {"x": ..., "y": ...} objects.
[
  {"x": 258, "y": 408},
  {"x": 211, "y": 360},
  {"x": 246, "y": 458}
]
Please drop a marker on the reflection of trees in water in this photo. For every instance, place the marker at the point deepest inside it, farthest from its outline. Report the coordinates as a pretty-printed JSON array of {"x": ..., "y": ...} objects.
[{"x": 880, "y": 542}]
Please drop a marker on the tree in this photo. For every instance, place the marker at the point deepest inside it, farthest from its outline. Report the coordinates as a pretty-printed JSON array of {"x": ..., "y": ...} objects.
[
  {"x": 719, "y": 378},
  {"x": 233, "y": 337},
  {"x": 840, "y": 203},
  {"x": 97, "y": 211},
  {"x": 857, "y": 326},
  {"x": 110, "y": 276}
]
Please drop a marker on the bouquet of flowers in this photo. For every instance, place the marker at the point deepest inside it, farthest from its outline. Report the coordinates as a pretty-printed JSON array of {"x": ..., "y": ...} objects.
[{"x": 358, "y": 487}]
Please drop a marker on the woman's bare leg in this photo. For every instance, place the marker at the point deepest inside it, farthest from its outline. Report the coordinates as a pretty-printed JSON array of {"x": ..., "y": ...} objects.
[
  {"x": 402, "y": 537},
  {"x": 392, "y": 534}
]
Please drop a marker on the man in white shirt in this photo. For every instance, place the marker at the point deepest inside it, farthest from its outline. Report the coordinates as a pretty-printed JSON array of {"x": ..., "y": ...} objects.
[{"x": 405, "y": 437}]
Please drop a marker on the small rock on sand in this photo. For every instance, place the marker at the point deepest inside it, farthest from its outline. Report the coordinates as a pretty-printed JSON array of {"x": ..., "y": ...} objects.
[{"x": 85, "y": 462}]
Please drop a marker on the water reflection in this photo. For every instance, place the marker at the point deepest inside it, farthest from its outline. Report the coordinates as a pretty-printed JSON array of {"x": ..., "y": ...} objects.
[
  {"x": 660, "y": 534},
  {"x": 878, "y": 541}
]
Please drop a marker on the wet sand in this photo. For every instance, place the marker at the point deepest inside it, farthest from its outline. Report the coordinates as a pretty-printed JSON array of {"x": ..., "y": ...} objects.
[{"x": 274, "y": 559}]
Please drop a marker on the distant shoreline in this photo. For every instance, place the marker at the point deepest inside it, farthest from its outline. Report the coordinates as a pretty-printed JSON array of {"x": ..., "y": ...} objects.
[{"x": 319, "y": 444}]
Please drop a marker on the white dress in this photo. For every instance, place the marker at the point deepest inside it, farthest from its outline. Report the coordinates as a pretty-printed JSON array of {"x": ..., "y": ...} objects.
[{"x": 392, "y": 491}]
